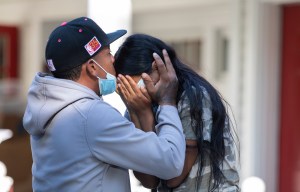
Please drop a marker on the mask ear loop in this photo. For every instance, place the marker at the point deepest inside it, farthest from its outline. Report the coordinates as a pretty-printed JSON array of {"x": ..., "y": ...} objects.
[{"x": 99, "y": 66}]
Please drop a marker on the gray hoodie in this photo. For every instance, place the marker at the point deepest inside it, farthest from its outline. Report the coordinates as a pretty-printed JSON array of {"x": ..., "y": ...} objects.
[{"x": 80, "y": 143}]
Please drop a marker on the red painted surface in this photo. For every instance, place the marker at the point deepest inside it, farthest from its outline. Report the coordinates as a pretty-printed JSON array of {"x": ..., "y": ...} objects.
[
  {"x": 289, "y": 178},
  {"x": 11, "y": 33}
]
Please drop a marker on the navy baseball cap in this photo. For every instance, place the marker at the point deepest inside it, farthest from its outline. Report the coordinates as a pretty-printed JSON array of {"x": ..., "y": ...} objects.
[{"x": 73, "y": 43}]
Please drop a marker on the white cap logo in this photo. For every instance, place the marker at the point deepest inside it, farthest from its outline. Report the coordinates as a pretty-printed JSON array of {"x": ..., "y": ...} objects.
[{"x": 50, "y": 65}]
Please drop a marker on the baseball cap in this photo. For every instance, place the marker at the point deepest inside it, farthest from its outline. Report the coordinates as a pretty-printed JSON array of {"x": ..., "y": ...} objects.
[{"x": 73, "y": 43}]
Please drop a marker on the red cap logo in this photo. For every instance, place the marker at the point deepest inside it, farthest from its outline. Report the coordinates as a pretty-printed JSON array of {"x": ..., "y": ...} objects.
[{"x": 92, "y": 46}]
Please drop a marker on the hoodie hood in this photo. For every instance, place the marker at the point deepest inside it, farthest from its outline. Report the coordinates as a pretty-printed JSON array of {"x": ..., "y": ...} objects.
[{"x": 47, "y": 96}]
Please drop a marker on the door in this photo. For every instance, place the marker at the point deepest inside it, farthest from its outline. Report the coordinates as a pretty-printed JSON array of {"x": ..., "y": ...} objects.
[{"x": 290, "y": 101}]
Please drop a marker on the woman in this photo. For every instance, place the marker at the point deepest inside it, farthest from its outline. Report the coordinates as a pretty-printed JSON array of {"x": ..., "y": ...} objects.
[{"x": 211, "y": 158}]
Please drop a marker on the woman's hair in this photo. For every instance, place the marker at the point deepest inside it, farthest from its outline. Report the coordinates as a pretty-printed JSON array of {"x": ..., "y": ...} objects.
[{"x": 135, "y": 56}]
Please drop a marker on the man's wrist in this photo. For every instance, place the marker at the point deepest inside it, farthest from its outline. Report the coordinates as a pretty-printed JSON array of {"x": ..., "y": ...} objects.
[{"x": 167, "y": 102}]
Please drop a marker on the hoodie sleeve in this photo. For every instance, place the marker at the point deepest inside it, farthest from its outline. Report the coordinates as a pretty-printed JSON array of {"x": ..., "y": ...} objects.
[{"x": 115, "y": 140}]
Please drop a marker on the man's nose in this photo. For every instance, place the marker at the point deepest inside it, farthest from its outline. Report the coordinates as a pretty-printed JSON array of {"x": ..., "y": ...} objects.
[{"x": 112, "y": 59}]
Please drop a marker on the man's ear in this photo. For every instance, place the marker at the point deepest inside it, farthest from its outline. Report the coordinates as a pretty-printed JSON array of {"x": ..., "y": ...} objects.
[{"x": 91, "y": 67}]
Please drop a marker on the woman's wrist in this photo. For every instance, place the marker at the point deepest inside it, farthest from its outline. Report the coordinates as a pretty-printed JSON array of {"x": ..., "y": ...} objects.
[{"x": 141, "y": 112}]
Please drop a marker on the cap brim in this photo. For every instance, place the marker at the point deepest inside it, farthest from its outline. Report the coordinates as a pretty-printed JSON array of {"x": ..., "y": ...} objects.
[{"x": 115, "y": 35}]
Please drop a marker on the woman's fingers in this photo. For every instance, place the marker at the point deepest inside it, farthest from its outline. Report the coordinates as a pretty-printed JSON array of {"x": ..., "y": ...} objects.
[
  {"x": 123, "y": 92},
  {"x": 132, "y": 84},
  {"x": 134, "y": 97},
  {"x": 145, "y": 93},
  {"x": 125, "y": 83}
]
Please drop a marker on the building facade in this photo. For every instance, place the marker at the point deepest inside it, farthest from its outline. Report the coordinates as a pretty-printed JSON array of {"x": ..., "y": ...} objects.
[{"x": 246, "y": 48}]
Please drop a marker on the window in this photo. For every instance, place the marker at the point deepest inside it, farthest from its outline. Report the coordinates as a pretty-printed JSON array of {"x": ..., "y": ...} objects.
[
  {"x": 222, "y": 55},
  {"x": 189, "y": 52}
]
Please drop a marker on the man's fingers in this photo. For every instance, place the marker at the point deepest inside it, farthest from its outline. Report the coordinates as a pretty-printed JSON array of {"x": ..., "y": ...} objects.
[
  {"x": 169, "y": 65},
  {"x": 148, "y": 84},
  {"x": 160, "y": 64}
]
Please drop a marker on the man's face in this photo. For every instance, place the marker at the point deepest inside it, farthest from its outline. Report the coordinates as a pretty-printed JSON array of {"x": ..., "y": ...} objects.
[{"x": 106, "y": 60}]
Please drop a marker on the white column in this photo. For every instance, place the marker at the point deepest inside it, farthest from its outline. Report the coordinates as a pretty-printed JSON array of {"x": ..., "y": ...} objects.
[
  {"x": 250, "y": 132},
  {"x": 259, "y": 128},
  {"x": 251, "y": 137},
  {"x": 269, "y": 89},
  {"x": 110, "y": 16},
  {"x": 32, "y": 56}
]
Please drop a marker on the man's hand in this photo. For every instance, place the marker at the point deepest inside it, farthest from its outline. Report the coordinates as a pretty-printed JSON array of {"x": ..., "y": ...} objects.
[{"x": 164, "y": 92}]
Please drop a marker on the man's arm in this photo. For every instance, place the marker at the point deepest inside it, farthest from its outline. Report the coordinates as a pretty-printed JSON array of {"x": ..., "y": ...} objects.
[{"x": 115, "y": 140}]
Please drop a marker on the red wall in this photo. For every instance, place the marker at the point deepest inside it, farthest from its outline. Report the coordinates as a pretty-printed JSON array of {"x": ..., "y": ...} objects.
[
  {"x": 290, "y": 101},
  {"x": 12, "y": 50}
]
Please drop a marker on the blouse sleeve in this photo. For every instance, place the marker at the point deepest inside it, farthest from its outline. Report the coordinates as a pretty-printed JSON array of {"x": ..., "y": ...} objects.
[{"x": 185, "y": 117}]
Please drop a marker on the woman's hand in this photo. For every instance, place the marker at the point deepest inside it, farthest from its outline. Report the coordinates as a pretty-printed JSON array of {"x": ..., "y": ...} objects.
[
  {"x": 138, "y": 103},
  {"x": 136, "y": 99}
]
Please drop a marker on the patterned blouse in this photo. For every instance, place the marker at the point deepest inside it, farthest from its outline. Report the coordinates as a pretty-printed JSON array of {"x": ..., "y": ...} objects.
[{"x": 229, "y": 166}]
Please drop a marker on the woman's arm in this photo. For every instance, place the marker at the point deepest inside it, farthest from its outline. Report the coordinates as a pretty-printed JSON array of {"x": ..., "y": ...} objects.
[
  {"x": 134, "y": 119},
  {"x": 148, "y": 181},
  {"x": 191, "y": 153},
  {"x": 138, "y": 103}
]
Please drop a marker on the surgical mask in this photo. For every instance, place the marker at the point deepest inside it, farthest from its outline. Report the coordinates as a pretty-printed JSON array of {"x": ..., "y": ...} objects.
[
  {"x": 108, "y": 85},
  {"x": 141, "y": 83}
]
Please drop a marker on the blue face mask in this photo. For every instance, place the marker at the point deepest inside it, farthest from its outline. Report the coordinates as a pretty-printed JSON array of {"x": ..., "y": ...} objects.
[{"x": 108, "y": 85}]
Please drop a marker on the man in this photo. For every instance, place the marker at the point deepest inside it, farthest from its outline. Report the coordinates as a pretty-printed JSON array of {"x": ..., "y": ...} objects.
[{"x": 79, "y": 142}]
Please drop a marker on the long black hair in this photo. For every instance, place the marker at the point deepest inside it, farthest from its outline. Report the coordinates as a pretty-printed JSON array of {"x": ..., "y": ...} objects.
[{"x": 135, "y": 57}]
